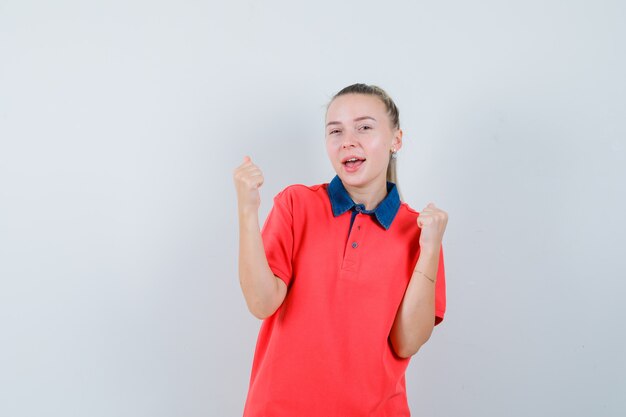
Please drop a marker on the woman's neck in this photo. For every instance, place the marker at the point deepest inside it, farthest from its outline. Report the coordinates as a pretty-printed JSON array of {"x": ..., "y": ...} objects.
[{"x": 370, "y": 196}]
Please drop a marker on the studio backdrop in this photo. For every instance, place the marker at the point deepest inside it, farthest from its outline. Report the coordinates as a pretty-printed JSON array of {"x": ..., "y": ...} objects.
[{"x": 121, "y": 123}]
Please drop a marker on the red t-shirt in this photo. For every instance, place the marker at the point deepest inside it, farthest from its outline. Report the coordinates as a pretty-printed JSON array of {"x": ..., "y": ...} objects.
[{"x": 326, "y": 351}]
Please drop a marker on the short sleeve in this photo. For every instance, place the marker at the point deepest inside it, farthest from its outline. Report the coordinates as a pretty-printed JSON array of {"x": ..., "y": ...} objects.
[
  {"x": 277, "y": 236},
  {"x": 440, "y": 291}
]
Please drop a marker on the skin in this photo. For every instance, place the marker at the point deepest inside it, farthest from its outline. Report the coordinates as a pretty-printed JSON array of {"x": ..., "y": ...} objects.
[
  {"x": 263, "y": 291},
  {"x": 356, "y": 125}
]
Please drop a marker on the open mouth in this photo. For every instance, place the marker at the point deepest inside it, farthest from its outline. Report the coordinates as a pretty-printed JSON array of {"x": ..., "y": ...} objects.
[{"x": 353, "y": 162}]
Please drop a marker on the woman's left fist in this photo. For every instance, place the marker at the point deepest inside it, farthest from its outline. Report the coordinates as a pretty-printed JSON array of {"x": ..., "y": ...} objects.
[{"x": 432, "y": 221}]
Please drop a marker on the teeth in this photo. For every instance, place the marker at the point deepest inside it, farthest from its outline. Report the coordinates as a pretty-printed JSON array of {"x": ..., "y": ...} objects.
[{"x": 352, "y": 160}]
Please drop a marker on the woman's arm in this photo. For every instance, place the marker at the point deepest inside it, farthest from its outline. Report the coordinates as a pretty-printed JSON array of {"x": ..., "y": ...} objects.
[
  {"x": 415, "y": 318},
  {"x": 263, "y": 291},
  {"x": 416, "y": 315}
]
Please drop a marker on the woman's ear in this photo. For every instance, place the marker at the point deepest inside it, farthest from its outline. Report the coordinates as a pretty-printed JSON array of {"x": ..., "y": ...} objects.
[{"x": 396, "y": 143}]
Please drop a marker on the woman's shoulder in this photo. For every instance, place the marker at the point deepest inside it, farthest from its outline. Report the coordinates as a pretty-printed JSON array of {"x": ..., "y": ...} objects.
[
  {"x": 406, "y": 209},
  {"x": 301, "y": 188},
  {"x": 302, "y": 192}
]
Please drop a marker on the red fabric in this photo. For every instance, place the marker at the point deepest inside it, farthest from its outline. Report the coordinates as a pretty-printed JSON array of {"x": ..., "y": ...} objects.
[{"x": 325, "y": 351}]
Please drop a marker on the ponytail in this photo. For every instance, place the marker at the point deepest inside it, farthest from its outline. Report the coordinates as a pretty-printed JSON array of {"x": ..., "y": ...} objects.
[{"x": 392, "y": 173}]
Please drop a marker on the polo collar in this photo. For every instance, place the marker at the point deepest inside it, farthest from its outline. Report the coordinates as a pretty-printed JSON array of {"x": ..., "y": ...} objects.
[{"x": 385, "y": 212}]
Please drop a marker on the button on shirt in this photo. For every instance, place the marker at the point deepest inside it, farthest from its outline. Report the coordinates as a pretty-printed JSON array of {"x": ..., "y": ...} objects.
[{"x": 326, "y": 350}]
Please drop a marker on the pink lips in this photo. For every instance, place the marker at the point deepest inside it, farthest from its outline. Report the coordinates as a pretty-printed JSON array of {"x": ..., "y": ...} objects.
[{"x": 352, "y": 163}]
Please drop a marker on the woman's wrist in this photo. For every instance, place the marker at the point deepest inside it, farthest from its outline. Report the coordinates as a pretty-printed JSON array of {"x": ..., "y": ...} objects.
[
  {"x": 248, "y": 218},
  {"x": 417, "y": 271},
  {"x": 429, "y": 251}
]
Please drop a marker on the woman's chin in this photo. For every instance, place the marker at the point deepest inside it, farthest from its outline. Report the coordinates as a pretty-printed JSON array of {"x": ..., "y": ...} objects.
[
  {"x": 352, "y": 179},
  {"x": 361, "y": 179}
]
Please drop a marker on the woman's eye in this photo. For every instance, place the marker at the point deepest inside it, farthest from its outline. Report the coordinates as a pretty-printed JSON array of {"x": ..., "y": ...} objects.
[
  {"x": 365, "y": 127},
  {"x": 333, "y": 131}
]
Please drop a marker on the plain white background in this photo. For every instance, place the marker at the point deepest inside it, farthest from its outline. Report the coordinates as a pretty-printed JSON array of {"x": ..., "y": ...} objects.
[{"x": 121, "y": 123}]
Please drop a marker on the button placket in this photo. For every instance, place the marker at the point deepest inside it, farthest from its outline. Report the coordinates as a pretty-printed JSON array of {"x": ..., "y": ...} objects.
[
  {"x": 357, "y": 224},
  {"x": 351, "y": 254},
  {"x": 355, "y": 237}
]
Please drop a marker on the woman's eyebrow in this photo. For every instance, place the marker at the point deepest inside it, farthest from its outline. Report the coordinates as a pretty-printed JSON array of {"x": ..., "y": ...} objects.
[{"x": 358, "y": 119}]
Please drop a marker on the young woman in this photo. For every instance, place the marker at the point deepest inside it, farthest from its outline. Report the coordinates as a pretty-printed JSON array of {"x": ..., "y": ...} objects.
[{"x": 348, "y": 280}]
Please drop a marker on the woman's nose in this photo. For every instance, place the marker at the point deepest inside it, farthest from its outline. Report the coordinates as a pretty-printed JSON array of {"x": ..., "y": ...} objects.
[{"x": 349, "y": 140}]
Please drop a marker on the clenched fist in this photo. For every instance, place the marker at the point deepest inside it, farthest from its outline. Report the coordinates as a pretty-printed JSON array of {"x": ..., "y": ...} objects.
[
  {"x": 248, "y": 178},
  {"x": 432, "y": 221}
]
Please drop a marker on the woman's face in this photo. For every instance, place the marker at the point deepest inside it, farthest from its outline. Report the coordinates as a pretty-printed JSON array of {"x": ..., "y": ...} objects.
[{"x": 359, "y": 139}]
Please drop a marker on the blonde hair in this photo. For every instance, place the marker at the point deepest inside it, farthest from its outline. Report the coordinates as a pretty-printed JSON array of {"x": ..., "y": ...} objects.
[{"x": 392, "y": 111}]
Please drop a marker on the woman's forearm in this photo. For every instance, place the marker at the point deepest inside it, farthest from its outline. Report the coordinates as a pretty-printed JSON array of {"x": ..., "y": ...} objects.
[
  {"x": 263, "y": 291},
  {"x": 415, "y": 318}
]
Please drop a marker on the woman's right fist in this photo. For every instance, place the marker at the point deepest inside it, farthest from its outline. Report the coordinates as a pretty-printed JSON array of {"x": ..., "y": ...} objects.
[{"x": 248, "y": 178}]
